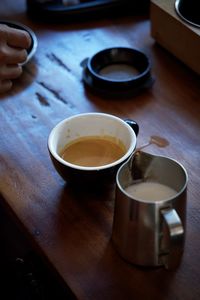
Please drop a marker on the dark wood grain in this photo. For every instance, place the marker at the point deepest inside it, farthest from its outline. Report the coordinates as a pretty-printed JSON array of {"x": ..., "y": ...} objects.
[{"x": 72, "y": 230}]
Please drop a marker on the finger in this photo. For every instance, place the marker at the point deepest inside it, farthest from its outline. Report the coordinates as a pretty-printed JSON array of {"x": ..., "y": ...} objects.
[
  {"x": 13, "y": 55},
  {"x": 5, "y": 85},
  {"x": 8, "y": 72},
  {"x": 18, "y": 38}
]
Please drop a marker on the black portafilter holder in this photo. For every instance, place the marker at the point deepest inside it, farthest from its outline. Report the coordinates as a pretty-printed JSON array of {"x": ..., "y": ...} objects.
[{"x": 118, "y": 72}]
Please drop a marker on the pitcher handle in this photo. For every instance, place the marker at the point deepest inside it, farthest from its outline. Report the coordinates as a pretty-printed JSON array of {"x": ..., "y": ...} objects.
[{"x": 172, "y": 241}]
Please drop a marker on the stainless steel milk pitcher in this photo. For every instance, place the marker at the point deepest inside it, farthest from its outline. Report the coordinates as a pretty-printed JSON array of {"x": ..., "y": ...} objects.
[{"x": 150, "y": 233}]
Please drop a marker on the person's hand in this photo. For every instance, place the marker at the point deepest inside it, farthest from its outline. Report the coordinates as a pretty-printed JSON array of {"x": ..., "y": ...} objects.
[{"x": 13, "y": 45}]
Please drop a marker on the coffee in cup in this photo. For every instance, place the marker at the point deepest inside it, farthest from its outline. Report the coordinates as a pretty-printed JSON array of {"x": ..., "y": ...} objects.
[{"x": 95, "y": 151}]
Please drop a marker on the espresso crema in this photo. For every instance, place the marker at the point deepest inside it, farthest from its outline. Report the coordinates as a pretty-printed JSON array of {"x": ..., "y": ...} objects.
[{"x": 93, "y": 151}]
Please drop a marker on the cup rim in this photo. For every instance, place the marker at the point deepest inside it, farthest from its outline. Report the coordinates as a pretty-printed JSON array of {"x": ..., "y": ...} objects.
[{"x": 97, "y": 168}]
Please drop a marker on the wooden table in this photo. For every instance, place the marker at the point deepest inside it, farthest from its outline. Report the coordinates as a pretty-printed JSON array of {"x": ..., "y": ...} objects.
[{"x": 72, "y": 231}]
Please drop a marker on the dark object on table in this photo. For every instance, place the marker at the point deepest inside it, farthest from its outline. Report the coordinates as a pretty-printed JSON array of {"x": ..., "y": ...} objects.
[
  {"x": 189, "y": 11},
  {"x": 77, "y": 10},
  {"x": 117, "y": 72}
]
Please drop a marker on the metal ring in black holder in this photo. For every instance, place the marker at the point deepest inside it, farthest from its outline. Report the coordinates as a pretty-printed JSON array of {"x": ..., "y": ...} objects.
[{"x": 117, "y": 72}]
